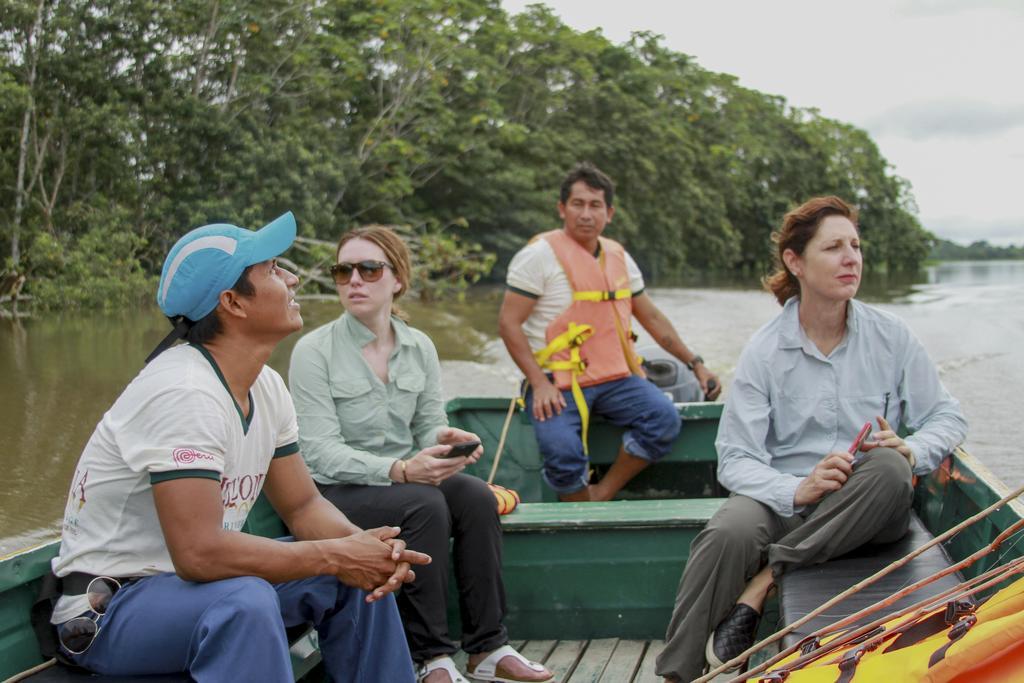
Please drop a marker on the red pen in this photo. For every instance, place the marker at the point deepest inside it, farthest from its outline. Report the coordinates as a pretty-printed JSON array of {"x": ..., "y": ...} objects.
[{"x": 861, "y": 435}]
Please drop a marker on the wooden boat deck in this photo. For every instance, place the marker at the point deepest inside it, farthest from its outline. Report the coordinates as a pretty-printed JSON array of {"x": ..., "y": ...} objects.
[{"x": 609, "y": 660}]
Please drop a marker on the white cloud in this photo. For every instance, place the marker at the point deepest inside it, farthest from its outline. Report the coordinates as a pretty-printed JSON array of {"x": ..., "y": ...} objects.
[
  {"x": 963, "y": 229},
  {"x": 977, "y": 179},
  {"x": 947, "y": 118},
  {"x": 944, "y": 7}
]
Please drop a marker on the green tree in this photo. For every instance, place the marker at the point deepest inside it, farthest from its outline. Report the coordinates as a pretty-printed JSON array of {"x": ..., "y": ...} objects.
[{"x": 124, "y": 122}]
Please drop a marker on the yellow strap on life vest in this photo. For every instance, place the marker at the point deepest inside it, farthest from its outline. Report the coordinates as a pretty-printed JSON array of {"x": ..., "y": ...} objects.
[
  {"x": 613, "y": 295},
  {"x": 571, "y": 339},
  {"x": 632, "y": 360}
]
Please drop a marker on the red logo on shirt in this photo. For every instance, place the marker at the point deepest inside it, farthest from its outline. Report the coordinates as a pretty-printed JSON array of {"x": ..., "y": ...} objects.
[{"x": 187, "y": 456}]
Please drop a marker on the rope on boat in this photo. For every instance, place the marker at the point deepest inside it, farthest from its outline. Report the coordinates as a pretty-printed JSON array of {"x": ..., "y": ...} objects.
[
  {"x": 856, "y": 588},
  {"x": 31, "y": 672},
  {"x": 504, "y": 435}
]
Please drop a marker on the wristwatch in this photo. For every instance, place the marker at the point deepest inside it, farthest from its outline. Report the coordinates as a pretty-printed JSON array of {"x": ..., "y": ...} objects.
[{"x": 696, "y": 359}]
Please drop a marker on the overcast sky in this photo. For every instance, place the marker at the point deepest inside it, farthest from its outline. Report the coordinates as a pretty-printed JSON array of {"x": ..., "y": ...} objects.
[{"x": 938, "y": 83}]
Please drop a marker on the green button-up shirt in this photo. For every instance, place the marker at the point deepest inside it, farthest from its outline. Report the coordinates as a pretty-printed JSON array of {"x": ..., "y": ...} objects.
[{"x": 352, "y": 426}]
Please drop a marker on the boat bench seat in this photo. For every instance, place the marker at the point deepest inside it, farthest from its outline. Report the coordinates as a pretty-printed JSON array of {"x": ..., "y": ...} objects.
[
  {"x": 675, "y": 512},
  {"x": 304, "y": 653},
  {"x": 803, "y": 590}
]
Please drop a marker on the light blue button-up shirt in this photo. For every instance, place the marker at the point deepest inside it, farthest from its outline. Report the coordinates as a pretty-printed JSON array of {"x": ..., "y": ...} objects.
[
  {"x": 789, "y": 405},
  {"x": 352, "y": 426}
]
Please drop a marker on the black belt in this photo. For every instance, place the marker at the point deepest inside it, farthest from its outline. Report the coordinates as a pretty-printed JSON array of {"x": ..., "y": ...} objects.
[{"x": 76, "y": 583}]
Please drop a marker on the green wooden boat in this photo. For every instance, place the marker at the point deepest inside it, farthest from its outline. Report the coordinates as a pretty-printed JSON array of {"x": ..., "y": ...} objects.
[{"x": 590, "y": 585}]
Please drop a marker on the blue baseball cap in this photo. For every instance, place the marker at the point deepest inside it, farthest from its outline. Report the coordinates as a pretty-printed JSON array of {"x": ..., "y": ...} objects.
[{"x": 210, "y": 259}]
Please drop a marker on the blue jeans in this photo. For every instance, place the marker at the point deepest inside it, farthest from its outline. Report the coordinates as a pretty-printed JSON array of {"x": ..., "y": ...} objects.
[
  {"x": 651, "y": 420},
  {"x": 234, "y": 630}
]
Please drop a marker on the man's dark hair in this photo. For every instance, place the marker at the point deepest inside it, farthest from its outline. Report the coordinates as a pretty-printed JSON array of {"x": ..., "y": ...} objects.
[
  {"x": 210, "y": 326},
  {"x": 593, "y": 177}
]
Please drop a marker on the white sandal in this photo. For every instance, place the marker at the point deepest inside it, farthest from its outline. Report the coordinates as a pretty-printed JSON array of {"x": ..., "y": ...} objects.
[
  {"x": 488, "y": 669},
  {"x": 446, "y": 663}
]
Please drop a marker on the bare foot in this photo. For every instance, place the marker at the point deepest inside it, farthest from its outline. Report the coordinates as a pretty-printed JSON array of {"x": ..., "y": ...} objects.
[
  {"x": 576, "y": 496},
  {"x": 438, "y": 676},
  {"x": 597, "y": 493},
  {"x": 756, "y": 591},
  {"x": 513, "y": 666}
]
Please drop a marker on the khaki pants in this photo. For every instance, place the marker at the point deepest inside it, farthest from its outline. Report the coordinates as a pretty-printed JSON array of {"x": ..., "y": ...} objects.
[{"x": 745, "y": 535}]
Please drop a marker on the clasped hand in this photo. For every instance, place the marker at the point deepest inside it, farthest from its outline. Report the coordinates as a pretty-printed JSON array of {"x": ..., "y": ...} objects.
[{"x": 377, "y": 561}]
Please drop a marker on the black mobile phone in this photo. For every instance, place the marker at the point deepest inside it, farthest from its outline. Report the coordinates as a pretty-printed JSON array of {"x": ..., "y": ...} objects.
[{"x": 461, "y": 450}]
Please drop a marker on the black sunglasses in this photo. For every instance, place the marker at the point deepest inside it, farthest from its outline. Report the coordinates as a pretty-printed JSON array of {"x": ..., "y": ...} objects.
[
  {"x": 369, "y": 271},
  {"x": 77, "y": 635}
]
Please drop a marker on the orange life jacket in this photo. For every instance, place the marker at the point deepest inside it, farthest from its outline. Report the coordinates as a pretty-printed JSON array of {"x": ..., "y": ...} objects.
[{"x": 590, "y": 342}]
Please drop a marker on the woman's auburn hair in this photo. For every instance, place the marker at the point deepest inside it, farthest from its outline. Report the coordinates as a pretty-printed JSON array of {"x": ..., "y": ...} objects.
[
  {"x": 396, "y": 251},
  {"x": 799, "y": 227}
]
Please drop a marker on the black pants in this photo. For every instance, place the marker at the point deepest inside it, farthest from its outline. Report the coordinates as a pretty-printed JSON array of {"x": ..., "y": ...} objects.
[{"x": 464, "y": 509}]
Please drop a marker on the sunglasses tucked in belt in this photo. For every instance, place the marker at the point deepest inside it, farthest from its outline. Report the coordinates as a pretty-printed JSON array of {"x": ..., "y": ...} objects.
[
  {"x": 78, "y": 634},
  {"x": 369, "y": 271}
]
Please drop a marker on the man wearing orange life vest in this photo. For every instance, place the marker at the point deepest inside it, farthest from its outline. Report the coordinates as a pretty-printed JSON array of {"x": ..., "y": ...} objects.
[{"x": 566, "y": 321}]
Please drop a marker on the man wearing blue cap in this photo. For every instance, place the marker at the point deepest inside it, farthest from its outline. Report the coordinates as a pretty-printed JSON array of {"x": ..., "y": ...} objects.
[{"x": 152, "y": 575}]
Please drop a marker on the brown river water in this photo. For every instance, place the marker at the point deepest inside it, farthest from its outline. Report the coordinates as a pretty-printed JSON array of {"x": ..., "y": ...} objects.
[{"x": 58, "y": 374}]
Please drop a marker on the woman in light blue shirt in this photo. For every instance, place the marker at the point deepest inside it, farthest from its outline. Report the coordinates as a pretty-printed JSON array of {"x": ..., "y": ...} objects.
[
  {"x": 373, "y": 430},
  {"x": 805, "y": 384}
]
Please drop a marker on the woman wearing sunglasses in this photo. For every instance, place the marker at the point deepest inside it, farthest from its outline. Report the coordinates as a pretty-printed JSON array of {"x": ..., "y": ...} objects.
[{"x": 373, "y": 430}]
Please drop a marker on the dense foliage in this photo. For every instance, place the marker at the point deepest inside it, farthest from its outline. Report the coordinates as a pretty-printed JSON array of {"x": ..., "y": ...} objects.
[
  {"x": 124, "y": 122},
  {"x": 944, "y": 250}
]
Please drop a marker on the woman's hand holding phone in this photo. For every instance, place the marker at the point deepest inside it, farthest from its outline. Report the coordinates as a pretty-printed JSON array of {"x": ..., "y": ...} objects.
[
  {"x": 452, "y": 436},
  {"x": 835, "y": 468},
  {"x": 455, "y": 449},
  {"x": 462, "y": 450},
  {"x": 430, "y": 466}
]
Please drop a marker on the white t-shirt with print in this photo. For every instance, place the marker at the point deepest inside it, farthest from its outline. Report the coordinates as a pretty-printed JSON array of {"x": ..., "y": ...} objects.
[
  {"x": 535, "y": 271},
  {"x": 175, "y": 419}
]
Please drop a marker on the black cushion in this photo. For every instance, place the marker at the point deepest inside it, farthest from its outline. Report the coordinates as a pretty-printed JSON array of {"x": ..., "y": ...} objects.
[{"x": 802, "y": 590}]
